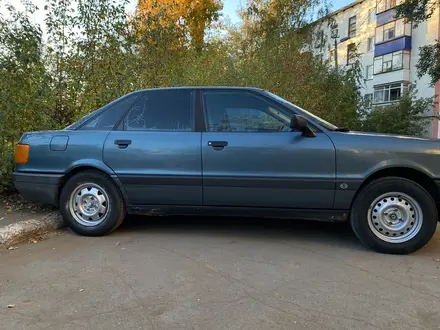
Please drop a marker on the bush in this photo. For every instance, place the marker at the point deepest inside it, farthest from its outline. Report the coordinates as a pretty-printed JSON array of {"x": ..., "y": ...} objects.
[
  {"x": 407, "y": 117},
  {"x": 6, "y": 169}
]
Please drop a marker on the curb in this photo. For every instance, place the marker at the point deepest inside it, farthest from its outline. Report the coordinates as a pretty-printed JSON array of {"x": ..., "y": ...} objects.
[{"x": 22, "y": 230}]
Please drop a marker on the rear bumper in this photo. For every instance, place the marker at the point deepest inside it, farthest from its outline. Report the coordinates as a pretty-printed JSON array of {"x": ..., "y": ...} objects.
[{"x": 37, "y": 187}]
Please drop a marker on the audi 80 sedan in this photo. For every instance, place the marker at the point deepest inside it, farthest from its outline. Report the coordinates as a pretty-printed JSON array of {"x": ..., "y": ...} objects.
[{"x": 231, "y": 151}]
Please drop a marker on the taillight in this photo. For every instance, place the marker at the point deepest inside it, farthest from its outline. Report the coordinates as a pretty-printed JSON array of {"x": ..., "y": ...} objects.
[{"x": 22, "y": 153}]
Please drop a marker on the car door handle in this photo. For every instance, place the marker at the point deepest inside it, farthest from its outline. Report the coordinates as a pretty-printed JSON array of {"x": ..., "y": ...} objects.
[
  {"x": 122, "y": 144},
  {"x": 218, "y": 145}
]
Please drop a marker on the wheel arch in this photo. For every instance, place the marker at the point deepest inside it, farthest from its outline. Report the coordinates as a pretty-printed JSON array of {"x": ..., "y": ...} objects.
[
  {"x": 77, "y": 168},
  {"x": 409, "y": 173}
]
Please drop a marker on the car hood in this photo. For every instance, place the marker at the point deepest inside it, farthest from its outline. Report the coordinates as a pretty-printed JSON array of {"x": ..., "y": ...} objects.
[
  {"x": 400, "y": 148},
  {"x": 395, "y": 136}
]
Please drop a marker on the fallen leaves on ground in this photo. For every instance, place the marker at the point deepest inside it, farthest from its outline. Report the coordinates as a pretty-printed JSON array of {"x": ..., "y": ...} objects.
[{"x": 15, "y": 202}]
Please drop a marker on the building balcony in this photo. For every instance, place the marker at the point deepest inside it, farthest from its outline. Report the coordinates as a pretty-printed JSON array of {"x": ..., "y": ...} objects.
[
  {"x": 402, "y": 43},
  {"x": 391, "y": 76},
  {"x": 385, "y": 17}
]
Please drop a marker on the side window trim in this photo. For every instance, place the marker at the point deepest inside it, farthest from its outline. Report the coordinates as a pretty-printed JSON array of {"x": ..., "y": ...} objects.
[
  {"x": 199, "y": 115},
  {"x": 120, "y": 126}
]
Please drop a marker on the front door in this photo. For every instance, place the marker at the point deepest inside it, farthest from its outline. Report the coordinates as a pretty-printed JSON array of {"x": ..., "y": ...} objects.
[
  {"x": 252, "y": 158},
  {"x": 156, "y": 153}
]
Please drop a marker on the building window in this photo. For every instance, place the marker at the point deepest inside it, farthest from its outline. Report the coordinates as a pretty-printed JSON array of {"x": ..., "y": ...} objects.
[
  {"x": 387, "y": 63},
  {"x": 370, "y": 44},
  {"x": 383, "y": 5},
  {"x": 320, "y": 40},
  {"x": 397, "y": 61},
  {"x": 352, "y": 27},
  {"x": 351, "y": 54},
  {"x": 371, "y": 15},
  {"x": 389, "y": 93},
  {"x": 332, "y": 56},
  {"x": 320, "y": 58},
  {"x": 400, "y": 27},
  {"x": 334, "y": 31},
  {"x": 369, "y": 100},
  {"x": 391, "y": 62},
  {"x": 378, "y": 61},
  {"x": 391, "y": 30},
  {"x": 369, "y": 72}
]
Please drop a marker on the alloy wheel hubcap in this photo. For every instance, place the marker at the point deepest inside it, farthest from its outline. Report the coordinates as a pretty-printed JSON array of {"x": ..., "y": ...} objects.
[
  {"x": 89, "y": 204},
  {"x": 395, "y": 217}
]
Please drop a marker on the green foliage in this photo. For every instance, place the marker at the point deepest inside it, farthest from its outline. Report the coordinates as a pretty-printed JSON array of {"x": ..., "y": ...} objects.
[
  {"x": 408, "y": 117},
  {"x": 416, "y": 11},
  {"x": 429, "y": 62},
  {"x": 24, "y": 96},
  {"x": 6, "y": 169}
]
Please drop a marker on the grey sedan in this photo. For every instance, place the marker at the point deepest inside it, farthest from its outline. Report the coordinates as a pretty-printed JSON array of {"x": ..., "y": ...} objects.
[{"x": 231, "y": 151}]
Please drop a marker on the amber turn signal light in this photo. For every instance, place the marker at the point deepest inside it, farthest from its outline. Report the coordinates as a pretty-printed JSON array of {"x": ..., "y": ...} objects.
[{"x": 21, "y": 153}]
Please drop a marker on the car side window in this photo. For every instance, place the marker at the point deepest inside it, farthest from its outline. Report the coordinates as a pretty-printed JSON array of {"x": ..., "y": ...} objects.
[
  {"x": 110, "y": 114},
  {"x": 166, "y": 110},
  {"x": 243, "y": 112}
]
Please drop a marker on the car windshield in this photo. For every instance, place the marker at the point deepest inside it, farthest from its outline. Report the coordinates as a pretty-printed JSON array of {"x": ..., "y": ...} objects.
[{"x": 299, "y": 110}]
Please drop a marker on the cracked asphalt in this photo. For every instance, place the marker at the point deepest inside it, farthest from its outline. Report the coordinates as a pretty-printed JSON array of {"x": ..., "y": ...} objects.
[{"x": 217, "y": 273}]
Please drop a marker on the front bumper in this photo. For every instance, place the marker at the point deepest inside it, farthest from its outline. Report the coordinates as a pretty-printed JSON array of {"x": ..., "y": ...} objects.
[{"x": 38, "y": 187}]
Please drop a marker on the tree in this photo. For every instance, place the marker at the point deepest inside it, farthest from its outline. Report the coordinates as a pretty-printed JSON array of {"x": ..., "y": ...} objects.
[
  {"x": 406, "y": 117},
  {"x": 272, "y": 53},
  {"x": 416, "y": 12},
  {"x": 195, "y": 16},
  {"x": 23, "y": 93}
]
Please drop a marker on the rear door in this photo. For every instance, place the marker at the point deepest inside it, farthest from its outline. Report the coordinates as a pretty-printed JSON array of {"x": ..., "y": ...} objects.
[
  {"x": 252, "y": 158},
  {"x": 156, "y": 152}
]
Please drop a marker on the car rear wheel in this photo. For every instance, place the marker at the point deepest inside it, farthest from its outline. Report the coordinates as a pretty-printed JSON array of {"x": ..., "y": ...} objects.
[
  {"x": 91, "y": 204},
  {"x": 394, "y": 215}
]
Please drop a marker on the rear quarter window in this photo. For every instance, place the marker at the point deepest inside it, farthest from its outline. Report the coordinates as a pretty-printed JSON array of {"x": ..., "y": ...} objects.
[{"x": 109, "y": 115}]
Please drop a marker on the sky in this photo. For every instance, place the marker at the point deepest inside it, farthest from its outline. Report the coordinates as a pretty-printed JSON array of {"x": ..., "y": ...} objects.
[
  {"x": 338, "y": 4},
  {"x": 229, "y": 8}
]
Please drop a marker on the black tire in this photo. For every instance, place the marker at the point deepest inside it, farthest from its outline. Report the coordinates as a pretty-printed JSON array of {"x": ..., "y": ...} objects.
[
  {"x": 115, "y": 206},
  {"x": 360, "y": 213}
]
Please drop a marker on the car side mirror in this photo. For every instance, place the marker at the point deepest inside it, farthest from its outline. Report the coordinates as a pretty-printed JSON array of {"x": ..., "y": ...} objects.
[{"x": 300, "y": 123}]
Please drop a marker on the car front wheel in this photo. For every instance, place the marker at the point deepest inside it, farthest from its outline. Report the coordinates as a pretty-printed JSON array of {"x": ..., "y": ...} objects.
[
  {"x": 394, "y": 215},
  {"x": 91, "y": 204}
]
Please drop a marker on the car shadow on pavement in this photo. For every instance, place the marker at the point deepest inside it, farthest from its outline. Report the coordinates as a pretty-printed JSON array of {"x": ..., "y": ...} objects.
[{"x": 325, "y": 233}]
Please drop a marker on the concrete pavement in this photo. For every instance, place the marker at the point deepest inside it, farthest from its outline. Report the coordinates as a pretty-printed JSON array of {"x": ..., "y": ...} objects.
[{"x": 180, "y": 273}]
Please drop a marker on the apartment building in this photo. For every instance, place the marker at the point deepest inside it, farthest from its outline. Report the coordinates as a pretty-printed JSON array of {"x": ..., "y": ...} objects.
[{"x": 387, "y": 48}]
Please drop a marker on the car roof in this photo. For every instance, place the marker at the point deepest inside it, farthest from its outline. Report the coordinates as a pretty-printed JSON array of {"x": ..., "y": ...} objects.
[{"x": 203, "y": 87}]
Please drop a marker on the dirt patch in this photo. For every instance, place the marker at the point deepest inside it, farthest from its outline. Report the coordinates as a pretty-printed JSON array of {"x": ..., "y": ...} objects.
[{"x": 14, "y": 208}]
